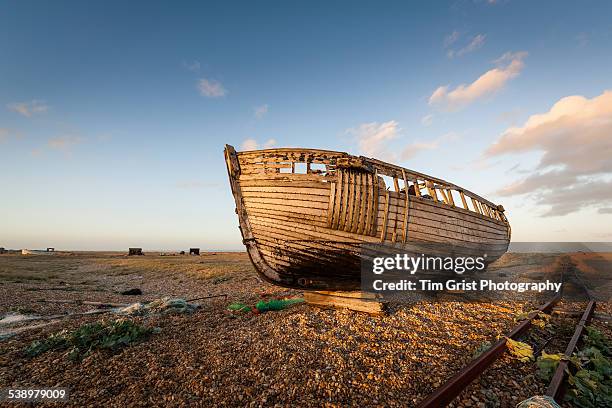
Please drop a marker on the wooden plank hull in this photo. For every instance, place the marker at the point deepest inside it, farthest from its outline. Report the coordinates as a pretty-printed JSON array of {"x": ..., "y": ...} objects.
[{"x": 311, "y": 230}]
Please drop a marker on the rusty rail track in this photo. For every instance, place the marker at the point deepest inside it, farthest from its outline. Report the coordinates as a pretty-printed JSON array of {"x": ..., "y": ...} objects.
[
  {"x": 446, "y": 393},
  {"x": 555, "y": 388},
  {"x": 457, "y": 383}
]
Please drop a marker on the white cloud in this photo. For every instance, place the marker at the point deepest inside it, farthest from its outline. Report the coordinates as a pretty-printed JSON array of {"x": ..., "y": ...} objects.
[
  {"x": 511, "y": 117},
  {"x": 63, "y": 143},
  {"x": 575, "y": 167},
  {"x": 193, "y": 66},
  {"x": 28, "y": 108},
  {"x": 252, "y": 144},
  {"x": 509, "y": 66},
  {"x": 451, "y": 39},
  {"x": 415, "y": 148},
  {"x": 373, "y": 138},
  {"x": 476, "y": 43},
  {"x": 260, "y": 111},
  {"x": 211, "y": 88},
  {"x": 6, "y": 134},
  {"x": 427, "y": 120}
]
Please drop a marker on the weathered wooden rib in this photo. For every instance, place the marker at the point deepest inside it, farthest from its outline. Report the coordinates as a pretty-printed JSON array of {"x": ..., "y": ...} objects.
[{"x": 308, "y": 229}]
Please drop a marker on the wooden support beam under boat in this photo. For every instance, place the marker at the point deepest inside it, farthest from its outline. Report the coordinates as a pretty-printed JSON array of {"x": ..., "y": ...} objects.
[{"x": 356, "y": 301}]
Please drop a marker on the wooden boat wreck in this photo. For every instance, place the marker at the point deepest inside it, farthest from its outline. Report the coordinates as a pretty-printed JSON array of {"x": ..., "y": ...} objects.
[{"x": 306, "y": 215}]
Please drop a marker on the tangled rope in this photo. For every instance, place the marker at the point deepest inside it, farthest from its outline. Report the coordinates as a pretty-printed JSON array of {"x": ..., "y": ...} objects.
[{"x": 539, "y": 401}]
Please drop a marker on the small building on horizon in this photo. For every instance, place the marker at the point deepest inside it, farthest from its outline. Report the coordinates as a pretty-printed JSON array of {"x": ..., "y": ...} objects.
[{"x": 135, "y": 251}]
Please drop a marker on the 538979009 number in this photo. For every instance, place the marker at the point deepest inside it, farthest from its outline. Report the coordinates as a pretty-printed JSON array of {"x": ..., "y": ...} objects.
[{"x": 33, "y": 394}]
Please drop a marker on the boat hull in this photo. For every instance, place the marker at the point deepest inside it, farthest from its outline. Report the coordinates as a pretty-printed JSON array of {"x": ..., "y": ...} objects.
[{"x": 312, "y": 229}]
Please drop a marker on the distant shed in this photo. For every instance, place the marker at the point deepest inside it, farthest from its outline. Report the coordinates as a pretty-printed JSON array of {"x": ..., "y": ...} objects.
[
  {"x": 36, "y": 252},
  {"x": 135, "y": 251},
  {"x": 194, "y": 251},
  {"x": 50, "y": 249}
]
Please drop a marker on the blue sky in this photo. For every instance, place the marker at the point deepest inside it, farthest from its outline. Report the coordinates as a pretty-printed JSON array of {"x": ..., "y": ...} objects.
[{"x": 113, "y": 115}]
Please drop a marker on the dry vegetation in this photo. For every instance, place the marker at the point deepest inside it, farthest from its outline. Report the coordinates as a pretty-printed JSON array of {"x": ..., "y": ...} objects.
[{"x": 299, "y": 356}]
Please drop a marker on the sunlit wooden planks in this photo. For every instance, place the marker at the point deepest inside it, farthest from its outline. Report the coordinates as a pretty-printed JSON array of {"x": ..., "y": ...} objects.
[{"x": 354, "y": 202}]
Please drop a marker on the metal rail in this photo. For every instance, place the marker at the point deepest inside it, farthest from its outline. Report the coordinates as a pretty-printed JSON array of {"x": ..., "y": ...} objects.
[
  {"x": 453, "y": 387},
  {"x": 555, "y": 388}
]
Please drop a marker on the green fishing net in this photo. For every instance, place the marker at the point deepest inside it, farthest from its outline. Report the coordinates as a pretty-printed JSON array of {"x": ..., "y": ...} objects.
[
  {"x": 276, "y": 304},
  {"x": 265, "y": 306},
  {"x": 238, "y": 307}
]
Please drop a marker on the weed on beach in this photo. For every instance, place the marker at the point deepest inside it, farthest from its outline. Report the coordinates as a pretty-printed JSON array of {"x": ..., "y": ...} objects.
[{"x": 106, "y": 335}]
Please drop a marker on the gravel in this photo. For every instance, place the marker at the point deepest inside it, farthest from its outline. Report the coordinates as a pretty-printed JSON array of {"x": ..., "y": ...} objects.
[{"x": 299, "y": 356}]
